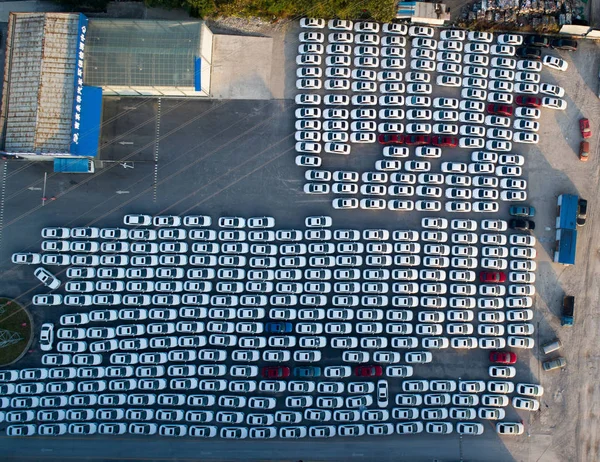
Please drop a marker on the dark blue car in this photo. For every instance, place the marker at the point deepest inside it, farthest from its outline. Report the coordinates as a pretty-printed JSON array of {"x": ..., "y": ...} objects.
[
  {"x": 522, "y": 211},
  {"x": 307, "y": 371},
  {"x": 278, "y": 327}
]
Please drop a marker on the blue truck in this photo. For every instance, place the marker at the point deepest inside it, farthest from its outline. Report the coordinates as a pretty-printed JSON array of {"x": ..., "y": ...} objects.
[
  {"x": 74, "y": 165},
  {"x": 568, "y": 310},
  {"x": 566, "y": 246},
  {"x": 567, "y": 210}
]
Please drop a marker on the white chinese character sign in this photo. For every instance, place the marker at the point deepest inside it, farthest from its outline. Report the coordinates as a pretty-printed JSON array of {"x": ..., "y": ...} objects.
[{"x": 87, "y": 103}]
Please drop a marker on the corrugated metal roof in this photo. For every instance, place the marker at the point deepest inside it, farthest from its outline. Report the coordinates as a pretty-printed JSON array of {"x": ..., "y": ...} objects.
[{"x": 42, "y": 69}]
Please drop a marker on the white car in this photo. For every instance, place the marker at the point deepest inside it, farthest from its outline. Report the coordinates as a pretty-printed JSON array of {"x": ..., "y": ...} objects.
[
  {"x": 510, "y": 39},
  {"x": 418, "y": 357},
  {"x": 552, "y": 90},
  {"x": 525, "y": 124},
  {"x": 484, "y": 37},
  {"x": 425, "y": 44},
  {"x": 47, "y": 278},
  {"x": 527, "y": 389},
  {"x": 528, "y": 77},
  {"x": 464, "y": 342},
  {"x": 529, "y": 65},
  {"x": 308, "y": 84},
  {"x": 420, "y": 31},
  {"x": 421, "y": 88},
  {"x": 503, "y": 98},
  {"x": 509, "y": 159},
  {"x": 471, "y": 143},
  {"x": 504, "y": 63},
  {"x": 527, "y": 404},
  {"x": 506, "y": 75},
  {"x": 554, "y": 103},
  {"x": 472, "y": 59},
  {"x": 520, "y": 342},
  {"x": 502, "y": 371},
  {"x": 555, "y": 63},
  {"x": 415, "y": 77},
  {"x": 491, "y": 343},
  {"x": 463, "y": 428},
  {"x": 311, "y": 37},
  {"x": 527, "y": 113},
  {"x": 395, "y": 29},
  {"x": 502, "y": 50},
  {"x": 502, "y": 86},
  {"x": 513, "y": 195}
]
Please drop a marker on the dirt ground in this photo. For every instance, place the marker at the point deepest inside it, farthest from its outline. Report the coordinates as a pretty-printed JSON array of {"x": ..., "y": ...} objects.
[
  {"x": 456, "y": 7},
  {"x": 566, "y": 427}
]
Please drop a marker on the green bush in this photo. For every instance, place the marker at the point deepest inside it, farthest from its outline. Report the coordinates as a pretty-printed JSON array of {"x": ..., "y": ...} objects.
[
  {"x": 379, "y": 10},
  {"x": 202, "y": 8}
]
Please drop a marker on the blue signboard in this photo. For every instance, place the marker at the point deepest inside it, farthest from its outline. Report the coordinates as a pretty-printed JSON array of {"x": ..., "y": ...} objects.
[
  {"x": 87, "y": 103},
  {"x": 85, "y": 119},
  {"x": 197, "y": 74},
  {"x": 89, "y": 122}
]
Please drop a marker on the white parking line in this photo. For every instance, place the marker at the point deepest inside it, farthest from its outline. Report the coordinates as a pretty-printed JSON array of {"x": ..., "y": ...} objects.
[
  {"x": 156, "y": 146},
  {"x": 3, "y": 198}
]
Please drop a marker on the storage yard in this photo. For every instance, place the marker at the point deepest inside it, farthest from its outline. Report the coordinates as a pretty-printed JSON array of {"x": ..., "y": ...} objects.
[{"x": 259, "y": 284}]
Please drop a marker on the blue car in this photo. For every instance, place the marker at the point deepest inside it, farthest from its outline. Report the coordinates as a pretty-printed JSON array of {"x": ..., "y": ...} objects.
[
  {"x": 522, "y": 211},
  {"x": 307, "y": 371},
  {"x": 278, "y": 327}
]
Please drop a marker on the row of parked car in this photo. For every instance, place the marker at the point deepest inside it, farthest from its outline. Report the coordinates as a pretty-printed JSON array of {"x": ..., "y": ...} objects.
[
  {"x": 425, "y": 58},
  {"x": 393, "y": 52},
  {"x": 433, "y": 186},
  {"x": 293, "y": 432},
  {"x": 441, "y": 394}
]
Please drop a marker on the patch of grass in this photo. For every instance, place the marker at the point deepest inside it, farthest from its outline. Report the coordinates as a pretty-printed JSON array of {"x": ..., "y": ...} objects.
[{"x": 14, "y": 319}]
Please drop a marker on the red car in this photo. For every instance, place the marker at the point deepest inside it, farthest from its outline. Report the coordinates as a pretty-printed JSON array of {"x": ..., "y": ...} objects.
[
  {"x": 529, "y": 101},
  {"x": 368, "y": 371},
  {"x": 584, "y": 126},
  {"x": 417, "y": 140},
  {"x": 444, "y": 141},
  {"x": 492, "y": 276},
  {"x": 503, "y": 357},
  {"x": 275, "y": 372},
  {"x": 500, "y": 109},
  {"x": 390, "y": 138}
]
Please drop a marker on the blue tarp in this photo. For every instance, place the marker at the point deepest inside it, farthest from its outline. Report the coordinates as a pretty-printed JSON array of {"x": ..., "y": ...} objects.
[
  {"x": 567, "y": 246},
  {"x": 568, "y": 211}
]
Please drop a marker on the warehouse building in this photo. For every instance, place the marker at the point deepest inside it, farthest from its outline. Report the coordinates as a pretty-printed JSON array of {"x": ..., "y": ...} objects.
[
  {"x": 59, "y": 65},
  {"x": 149, "y": 58},
  {"x": 46, "y": 108}
]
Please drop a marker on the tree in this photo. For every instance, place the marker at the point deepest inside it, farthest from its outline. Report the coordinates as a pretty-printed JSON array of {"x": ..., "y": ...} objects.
[{"x": 201, "y": 8}]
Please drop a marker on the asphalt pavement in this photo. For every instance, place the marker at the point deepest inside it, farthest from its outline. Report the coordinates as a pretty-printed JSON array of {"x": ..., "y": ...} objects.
[
  {"x": 236, "y": 157},
  {"x": 415, "y": 448}
]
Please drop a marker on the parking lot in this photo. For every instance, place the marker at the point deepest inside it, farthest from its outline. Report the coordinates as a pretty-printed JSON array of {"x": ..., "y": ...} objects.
[{"x": 225, "y": 174}]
